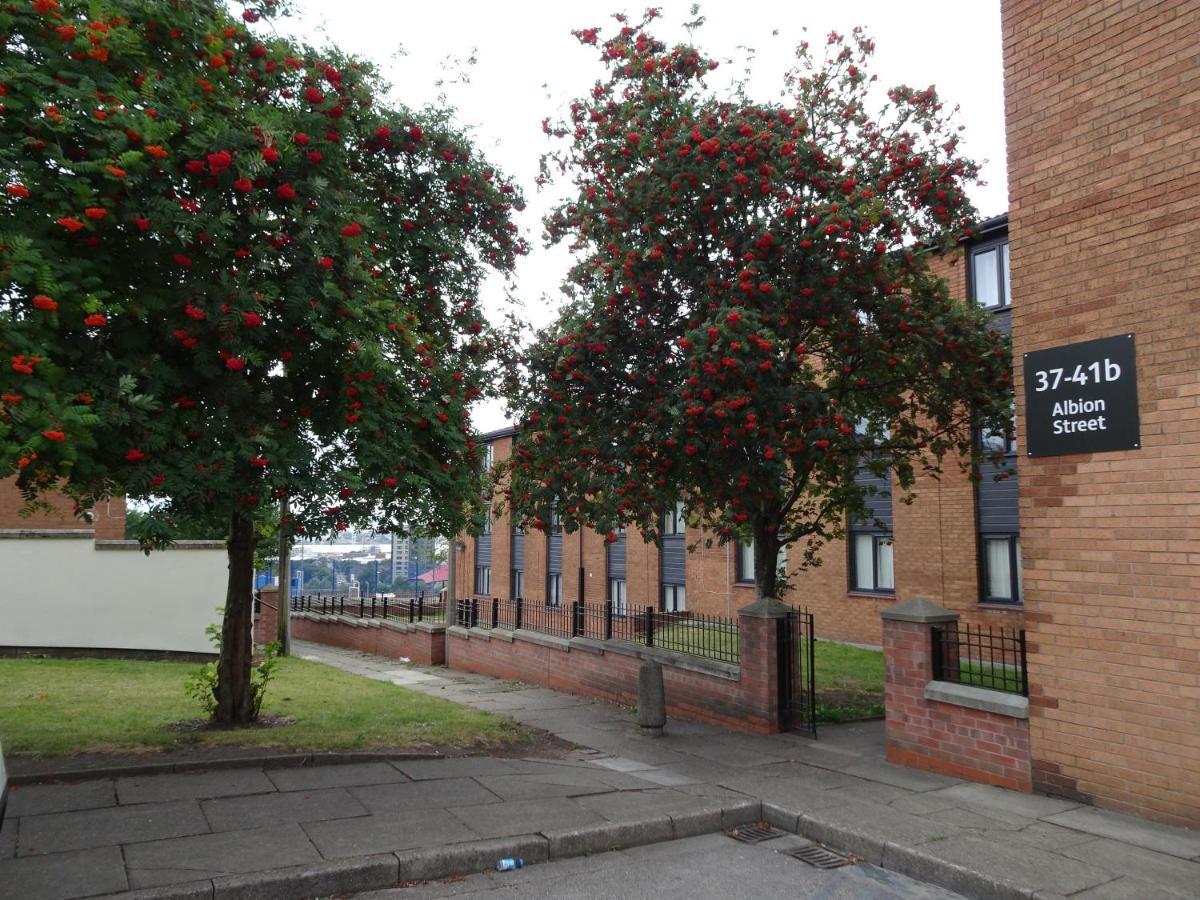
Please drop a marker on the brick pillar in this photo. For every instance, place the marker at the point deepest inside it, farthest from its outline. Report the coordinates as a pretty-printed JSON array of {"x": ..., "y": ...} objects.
[
  {"x": 961, "y": 730},
  {"x": 758, "y": 627},
  {"x": 266, "y": 623}
]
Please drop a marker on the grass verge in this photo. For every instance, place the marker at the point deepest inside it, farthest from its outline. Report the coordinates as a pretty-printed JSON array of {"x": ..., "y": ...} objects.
[{"x": 56, "y": 707}]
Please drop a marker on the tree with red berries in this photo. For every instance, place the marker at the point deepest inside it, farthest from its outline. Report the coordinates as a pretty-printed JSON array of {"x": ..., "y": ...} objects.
[
  {"x": 233, "y": 273},
  {"x": 753, "y": 320}
]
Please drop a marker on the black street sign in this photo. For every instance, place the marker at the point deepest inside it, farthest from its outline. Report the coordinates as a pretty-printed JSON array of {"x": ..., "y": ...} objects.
[{"x": 1082, "y": 398}]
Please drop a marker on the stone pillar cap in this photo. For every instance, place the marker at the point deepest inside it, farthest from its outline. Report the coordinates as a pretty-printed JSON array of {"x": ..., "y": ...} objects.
[
  {"x": 918, "y": 609},
  {"x": 765, "y": 608}
]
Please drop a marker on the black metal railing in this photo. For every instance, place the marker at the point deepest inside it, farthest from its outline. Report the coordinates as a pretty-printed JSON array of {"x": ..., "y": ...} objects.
[
  {"x": 711, "y": 637},
  {"x": 984, "y": 657},
  {"x": 417, "y": 608}
]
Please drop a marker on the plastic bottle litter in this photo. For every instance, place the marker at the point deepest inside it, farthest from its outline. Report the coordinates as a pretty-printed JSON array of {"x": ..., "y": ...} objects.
[{"x": 508, "y": 864}]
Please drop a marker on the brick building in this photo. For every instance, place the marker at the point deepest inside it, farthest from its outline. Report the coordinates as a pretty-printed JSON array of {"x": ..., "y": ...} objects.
[
  {"x": 1095, "y": 551},
  {"x": 957, "y": 542},
  {"x": 1102, "y": 123}
]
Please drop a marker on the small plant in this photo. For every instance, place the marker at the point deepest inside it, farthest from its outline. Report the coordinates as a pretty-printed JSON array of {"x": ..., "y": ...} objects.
[{"x": 202, "y": 686}]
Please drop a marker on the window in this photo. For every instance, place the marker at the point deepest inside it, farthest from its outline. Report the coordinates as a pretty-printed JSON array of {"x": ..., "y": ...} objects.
[
  {"x": 675, "y": 521},
  {"x": 518, "y": 583},
  {"x": 1000, "y": 441},
  {"x": 555, "y": 519},
  {"x": 1001, "y": 568},
  {"x": 617, "y": 596},
  {"x": 745, "y": 562},
  {"x": 871, "y": 563},
  {"x": 989, "y": 276},
  {"x": 674, "y": 598},
  {"x": 487, "y": 521},
  {"x": 483, "y": 580},
  {"x": 554, "y": 589}
]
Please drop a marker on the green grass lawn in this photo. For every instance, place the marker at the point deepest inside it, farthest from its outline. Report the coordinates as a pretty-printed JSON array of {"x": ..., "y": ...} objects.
[
  {"x": 55, "y": 707},
  {"x": 849, "y": 682}
]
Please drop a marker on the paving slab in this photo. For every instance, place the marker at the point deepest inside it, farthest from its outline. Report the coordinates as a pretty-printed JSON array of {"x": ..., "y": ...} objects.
[
  {"x": 667, "y": 777},
  {"x": 525, "y": 817},
  {"x": 61, "y": 876},
  {"x": 531, "y": 787},
  {"x": 8, "y": 838},
  {"x": 798, "y": 773},
  {"x": 1023, "y": 867},
  {"x": 384, "y": 833},
  {"x": 211, "y": 855},
  {"x": 440, "y": 793},
  {"x": 422, "y": 769},
  {"x": 339, "y": 878},
  {"x": 1125, "y": 888},
  {"x": 312, "y": 777},
  {"x": 38, "y": 799},
  {"x": 1002, "y": 804},
  {"x": 899, "y": 776},
  {"x": 58, "y": 832},
  {"x": 193, "y": 785},
  {"x": 1168, "y": 872},
  {"x": 240, "y": 813},
  {"x": 622, "y": 764},
  {"x": 628, "y": 805},
  {"x": 1130, "y": 830}
]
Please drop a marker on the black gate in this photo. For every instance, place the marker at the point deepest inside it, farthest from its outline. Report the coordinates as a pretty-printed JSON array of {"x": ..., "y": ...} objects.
[{"x": 797, "y": 673}]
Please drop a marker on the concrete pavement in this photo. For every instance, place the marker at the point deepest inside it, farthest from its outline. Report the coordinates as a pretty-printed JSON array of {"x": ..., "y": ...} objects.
[{"x": 256, "y": 832}]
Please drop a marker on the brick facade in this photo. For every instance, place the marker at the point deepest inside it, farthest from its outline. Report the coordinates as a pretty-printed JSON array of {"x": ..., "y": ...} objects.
[
  {"x": 108, "y": 517},
  {"x": 1102, "y": 119},
  {"x": 935, "y": 556}
]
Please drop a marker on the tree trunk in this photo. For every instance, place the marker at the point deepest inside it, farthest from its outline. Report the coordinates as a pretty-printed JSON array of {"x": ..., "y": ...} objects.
[
  {"x": 283, "y": 616},
  {"x": 766, "y": 560},
  {"x": 234, "y": 706}
]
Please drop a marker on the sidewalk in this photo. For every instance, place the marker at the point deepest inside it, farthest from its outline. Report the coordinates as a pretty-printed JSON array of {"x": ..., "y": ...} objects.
[{"x": 254, "y": 832}]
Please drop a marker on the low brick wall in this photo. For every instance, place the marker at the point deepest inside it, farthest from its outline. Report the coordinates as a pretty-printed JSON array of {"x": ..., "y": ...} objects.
[
  {"x": 421, "y": 642},
  {"x": 742, "y": 697},
  {"x": 967, "y": 732}
]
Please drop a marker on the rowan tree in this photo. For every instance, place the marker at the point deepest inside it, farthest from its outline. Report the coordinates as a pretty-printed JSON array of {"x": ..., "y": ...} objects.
[
  {"x": 232, "y": 271},
  {"x": 753, "y": 318}
]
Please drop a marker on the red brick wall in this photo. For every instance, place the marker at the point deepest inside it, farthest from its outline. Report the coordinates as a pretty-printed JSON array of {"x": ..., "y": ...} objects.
[
  {"x": 749, "y": 703},
  {"x": 1102, "y": 118},
  {"x": 108, "y": 516},
  {"x": 424, "y": 647},
  {"x": 943, "y": 737}
]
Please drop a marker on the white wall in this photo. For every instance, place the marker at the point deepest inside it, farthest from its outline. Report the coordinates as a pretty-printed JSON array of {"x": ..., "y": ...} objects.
[{"x": 63, "y": 592}]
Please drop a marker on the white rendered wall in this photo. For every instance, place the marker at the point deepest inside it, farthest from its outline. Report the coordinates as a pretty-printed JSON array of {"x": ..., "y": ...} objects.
[{"x": 63, "y": 592}]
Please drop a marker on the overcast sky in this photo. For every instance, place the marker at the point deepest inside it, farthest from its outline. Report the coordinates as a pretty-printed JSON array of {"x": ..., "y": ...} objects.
[{"x": 527, "y": 66}]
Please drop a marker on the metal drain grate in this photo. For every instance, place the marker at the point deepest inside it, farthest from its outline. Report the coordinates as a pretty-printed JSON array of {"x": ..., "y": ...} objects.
[
  {"x": 819, "y": 857},
  {"x": 754, "y": 834}
]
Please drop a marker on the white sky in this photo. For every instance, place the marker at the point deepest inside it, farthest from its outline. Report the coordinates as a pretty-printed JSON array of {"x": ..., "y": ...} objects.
[{"x": 528, "y": 66}]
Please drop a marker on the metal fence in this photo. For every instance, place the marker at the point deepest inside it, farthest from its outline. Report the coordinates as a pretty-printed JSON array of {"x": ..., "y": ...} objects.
[
  {"x": 990, "y": 658},
  {"x": 711, "y": 637},
  {"x": 418, "y": 608}
]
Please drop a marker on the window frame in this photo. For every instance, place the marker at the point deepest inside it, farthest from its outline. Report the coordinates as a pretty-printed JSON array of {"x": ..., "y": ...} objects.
[
  {"x": 1003, "y": 277},
  {"x": 621, "y": 609},
  {"x": 674, "y": 521},
  {"x": 483, "y": 575},
  {"x": 741, "y": 575},
  {"x": 554, "y": 590},
  {"x": 852, "y": 561},
  {"x": 1014, "y": 569},
  {"x": 517, "y": 583},
  {"x": 674, "y": 590}
]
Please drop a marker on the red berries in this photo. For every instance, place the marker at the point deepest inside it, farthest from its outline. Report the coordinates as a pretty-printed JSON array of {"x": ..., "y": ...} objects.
[
  {"x": 286, "y": 192},
  {"x": 55, "y": 435},
  {"x": 41, "y": 301},
  {"x": 134, "y": 455},
  {"x": 251, "y": 319},
  {"x": 235, "y": 364},
  {"x": 71, "y": 224},
  {"x": 270, "y": 154},
  {"x": 95, "y": 320},
  {"x": 352, "y": 230},
  {"x": 219, "y": 162},
  {"x": 314, "y": 96}
]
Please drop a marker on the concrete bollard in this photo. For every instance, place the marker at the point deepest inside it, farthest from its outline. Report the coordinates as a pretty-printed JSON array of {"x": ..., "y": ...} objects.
[{"x": 652, "y": 700}]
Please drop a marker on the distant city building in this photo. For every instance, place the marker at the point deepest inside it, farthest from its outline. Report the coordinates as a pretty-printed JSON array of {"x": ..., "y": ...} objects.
[{"x": 411, "y": 556}]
